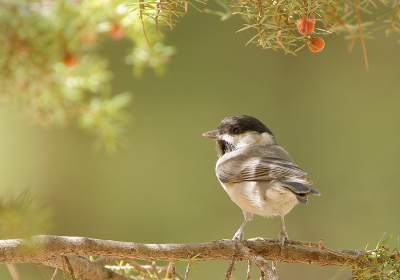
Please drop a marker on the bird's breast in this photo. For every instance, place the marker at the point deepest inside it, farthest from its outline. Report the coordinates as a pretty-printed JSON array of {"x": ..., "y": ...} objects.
[{"x": 261, "y": 198}]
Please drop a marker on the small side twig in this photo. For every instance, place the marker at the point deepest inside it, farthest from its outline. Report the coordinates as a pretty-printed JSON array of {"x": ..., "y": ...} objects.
[
  {"x": 64, "y": 269},
  {"x": 141, "y": 9},
  {"x": 248, "y": 270},
  {"x": 361, "y": 34},
  {"x": 13, "y": 271},
  {"x": 187, "y": 271},
  {"x": 69, "y": 267},
  {"x": 262, "y": 275},
  {"x": 231, "y": 266},
  {"x": 173, "y": 270},
  {"x": 54, "y": 276},
  {"x": 259, "y": 261},
  {"x": 169, "y": 270},
  {"x": 153, "y": 264}
]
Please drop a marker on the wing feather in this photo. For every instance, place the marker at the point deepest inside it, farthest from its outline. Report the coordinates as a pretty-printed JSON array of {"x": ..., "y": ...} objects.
[{"x": 270, "y": 168}]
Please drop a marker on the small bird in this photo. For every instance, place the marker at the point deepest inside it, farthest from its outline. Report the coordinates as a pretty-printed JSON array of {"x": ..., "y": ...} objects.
[{"x": 258, "y": 175}]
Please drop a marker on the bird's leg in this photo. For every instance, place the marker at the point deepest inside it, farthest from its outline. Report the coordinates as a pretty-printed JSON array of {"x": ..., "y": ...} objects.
[
  {"x": 282, "y": 237},
  {"x": 283, "y": 234},
  {"x": 239, "y": 234}
]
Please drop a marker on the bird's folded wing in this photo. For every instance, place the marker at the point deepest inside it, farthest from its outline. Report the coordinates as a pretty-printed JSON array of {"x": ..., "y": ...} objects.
[{"x": 270, "y": 168}]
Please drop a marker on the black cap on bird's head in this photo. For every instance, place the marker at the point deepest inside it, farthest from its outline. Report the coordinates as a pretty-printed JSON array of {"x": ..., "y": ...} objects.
[
  {"x": 235, "y": 125},
  {"x": 241, "y": 124}
]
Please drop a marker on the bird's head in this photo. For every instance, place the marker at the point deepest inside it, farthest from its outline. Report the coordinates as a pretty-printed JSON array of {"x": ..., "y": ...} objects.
[{"x": 240, "y": 131}]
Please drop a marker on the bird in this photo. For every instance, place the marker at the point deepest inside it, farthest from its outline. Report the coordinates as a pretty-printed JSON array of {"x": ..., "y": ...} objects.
[{"x": 257, "y": 174}]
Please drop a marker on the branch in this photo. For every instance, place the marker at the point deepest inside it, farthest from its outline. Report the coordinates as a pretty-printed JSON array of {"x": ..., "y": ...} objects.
[
  {"x": 47, "y": 250},
  {"x": 44, "y": 247}
]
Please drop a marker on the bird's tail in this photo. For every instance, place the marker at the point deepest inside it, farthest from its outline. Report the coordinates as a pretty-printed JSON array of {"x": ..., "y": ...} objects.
[{"x": 300, "y": 190}]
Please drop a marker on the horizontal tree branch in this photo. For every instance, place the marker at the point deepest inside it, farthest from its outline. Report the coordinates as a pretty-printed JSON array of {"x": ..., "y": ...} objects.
[{"x": 48, "y": 250}]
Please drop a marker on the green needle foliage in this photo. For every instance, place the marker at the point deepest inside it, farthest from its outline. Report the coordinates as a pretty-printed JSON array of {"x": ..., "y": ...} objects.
[
  {"x": 381, "y": 263},
  {"x": 272, "y": 23},
  {"x": 49, "y": 65},
  {"x": 21, "y": 217}
]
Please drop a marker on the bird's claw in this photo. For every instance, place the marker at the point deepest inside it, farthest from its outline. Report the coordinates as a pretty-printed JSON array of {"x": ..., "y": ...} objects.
[
  {"x": 238, "y": 236},
  {"x": 282, "y": 237}
]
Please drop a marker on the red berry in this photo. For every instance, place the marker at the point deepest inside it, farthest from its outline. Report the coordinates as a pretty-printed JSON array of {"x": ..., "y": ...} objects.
[
  {"x": 115, "y": 32},
  {"x": 305, "y": 26},
  {"x": 316, "y": 44},
  {"x": 69, "y": 60}
]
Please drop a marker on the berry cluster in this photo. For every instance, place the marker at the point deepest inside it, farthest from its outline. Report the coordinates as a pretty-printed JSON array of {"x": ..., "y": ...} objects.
[{"x": 305, "y": 26}]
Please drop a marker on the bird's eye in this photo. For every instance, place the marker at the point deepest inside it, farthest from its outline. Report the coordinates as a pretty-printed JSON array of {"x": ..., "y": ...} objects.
[{"x": 236, "y": 130}]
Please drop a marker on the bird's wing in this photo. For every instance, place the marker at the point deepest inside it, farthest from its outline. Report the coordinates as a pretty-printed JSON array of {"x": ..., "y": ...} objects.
[{"x": 271, "y": 168}]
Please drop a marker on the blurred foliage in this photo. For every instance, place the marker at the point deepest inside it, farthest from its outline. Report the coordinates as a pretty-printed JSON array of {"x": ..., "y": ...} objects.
[
  {"x": 20, "y": 217},
  {"x": 144, "y": 270},
  {"x": 49, "y": 65},
  {"x": 381, "y": 263},
  {"x": 48, "y": 62}
]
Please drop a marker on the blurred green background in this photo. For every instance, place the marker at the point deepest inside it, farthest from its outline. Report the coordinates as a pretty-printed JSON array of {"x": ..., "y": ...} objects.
[{"x": 339, "y": 122}]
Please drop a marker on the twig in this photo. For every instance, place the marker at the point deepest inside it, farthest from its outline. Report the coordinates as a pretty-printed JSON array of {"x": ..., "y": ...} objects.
[
  {"x": 141, "y": 8},
  {"x": 153, "y": 264},
  {"x": 13, "y": 271},
  {"x": 343, "y": 23},
  {"x": 173, "y": 270},
  {"x": 361, "y": 34},
  {"x": 54, "y": 276},
  {"x": 262, "y": 275},
  {"x": 259, "y": 261},
  {"x": 231, "y": 266},
  {"x": 248, "y": 270},
  {"x": 63, "y": 268},
  {"x": 187, "y": 271},
  {"x": 169, "y": 271},
  {"x": 69, "y": 267}
]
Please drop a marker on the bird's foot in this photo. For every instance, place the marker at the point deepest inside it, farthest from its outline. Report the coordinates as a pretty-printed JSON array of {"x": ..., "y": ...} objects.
[
  {"x": 282, "y": 237},
  {"x": 238, "y": 236}
]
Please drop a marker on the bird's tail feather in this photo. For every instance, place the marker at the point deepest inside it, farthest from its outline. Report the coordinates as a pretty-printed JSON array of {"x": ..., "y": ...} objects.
[{"x": 300, "y": 190}]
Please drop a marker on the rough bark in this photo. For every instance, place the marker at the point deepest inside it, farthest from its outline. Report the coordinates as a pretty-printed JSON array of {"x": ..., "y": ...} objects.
[{"x": 49, "y": 250}]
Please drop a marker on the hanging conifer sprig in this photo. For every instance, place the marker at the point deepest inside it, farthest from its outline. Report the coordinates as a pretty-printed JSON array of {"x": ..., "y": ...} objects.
[{"x": 49, "y": 63}]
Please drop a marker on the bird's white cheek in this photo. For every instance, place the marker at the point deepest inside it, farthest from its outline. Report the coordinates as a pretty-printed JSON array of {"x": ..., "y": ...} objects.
[
  {"x": 251, "y": 138},
  {"x": 241, "y": 140},
  {"x": 228, "y": 138},
  {"x": 248, "y": 138},
  {"x": 266, "y": 139}
]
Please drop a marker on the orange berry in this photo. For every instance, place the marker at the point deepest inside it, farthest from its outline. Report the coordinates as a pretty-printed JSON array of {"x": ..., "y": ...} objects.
[
  {"x": 115, "y": 32},
  {"x": 305, "y": 26},
  {"x": 316, "y": 44},
  {"x": 69, "y": 60}
]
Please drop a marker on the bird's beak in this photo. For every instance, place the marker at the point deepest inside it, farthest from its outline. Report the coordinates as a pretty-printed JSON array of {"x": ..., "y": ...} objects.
[{"x": 211, "y": 134}]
